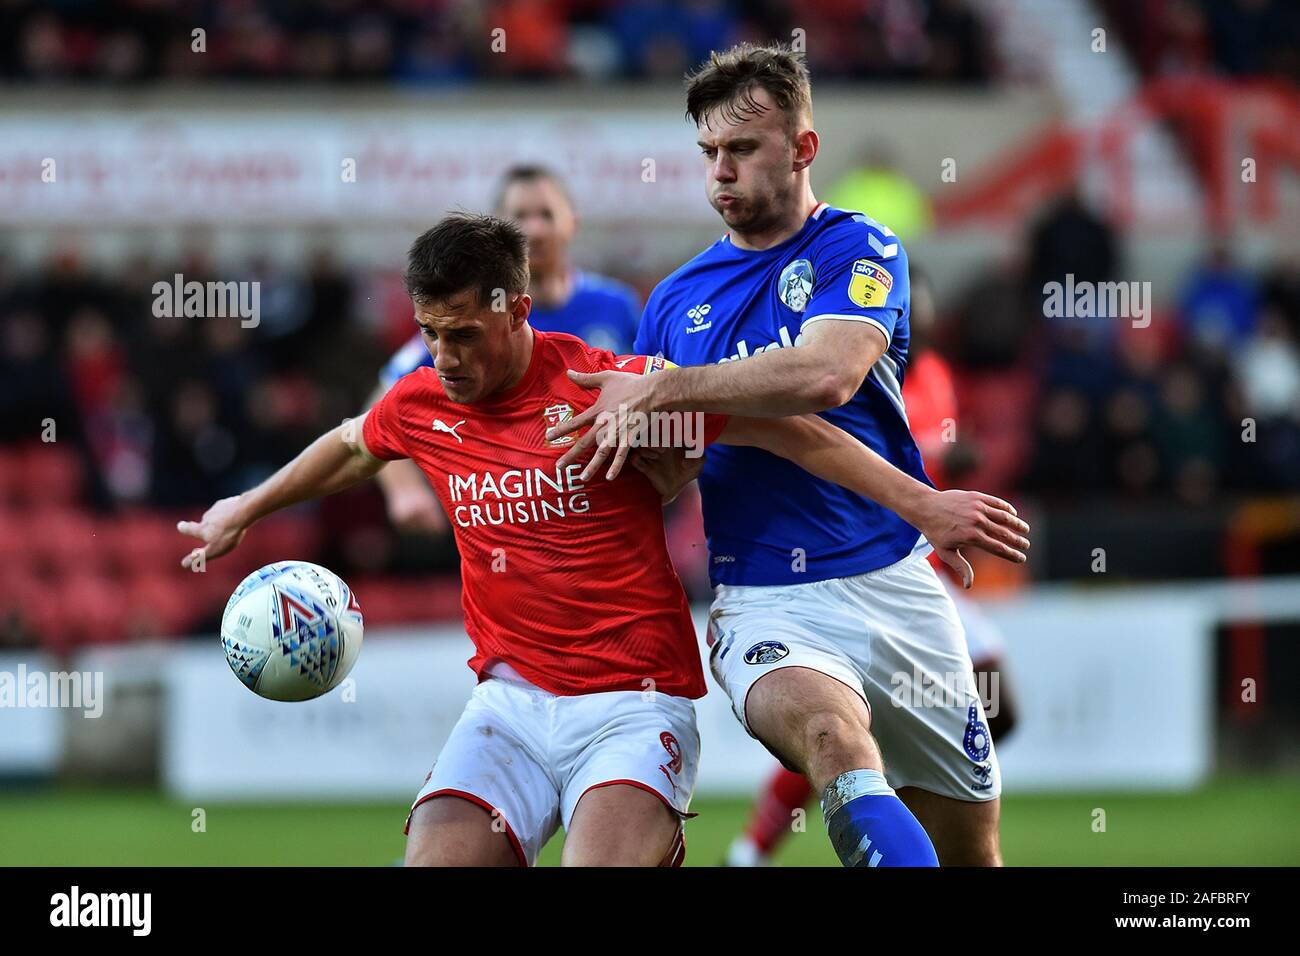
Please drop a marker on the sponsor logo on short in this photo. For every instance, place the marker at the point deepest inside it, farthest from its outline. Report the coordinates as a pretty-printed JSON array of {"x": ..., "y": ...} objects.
[
  {"x": 673, "y": 766},
  {"x": 440, "y": 426},
  {"x": 766, "y": 652}
]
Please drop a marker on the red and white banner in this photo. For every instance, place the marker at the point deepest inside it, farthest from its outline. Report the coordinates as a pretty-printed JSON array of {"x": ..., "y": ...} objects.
[{"x": 349, "y": 166}]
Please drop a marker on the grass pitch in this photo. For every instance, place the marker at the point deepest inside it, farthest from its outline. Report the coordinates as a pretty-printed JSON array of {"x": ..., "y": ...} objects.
[{"x": 1234, "y": 821}]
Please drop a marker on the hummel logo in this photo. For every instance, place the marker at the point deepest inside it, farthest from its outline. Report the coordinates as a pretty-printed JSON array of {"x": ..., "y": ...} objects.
[
  {"x": 441, "y": 426},
  {"x": 697, "y": 315}
]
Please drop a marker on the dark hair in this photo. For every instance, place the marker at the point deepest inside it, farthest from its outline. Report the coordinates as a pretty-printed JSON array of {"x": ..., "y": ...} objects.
[
  {"x": 528, "y": 173},
  {"x": 728, "y": 80},
  {"x": 467, "y": 251}
]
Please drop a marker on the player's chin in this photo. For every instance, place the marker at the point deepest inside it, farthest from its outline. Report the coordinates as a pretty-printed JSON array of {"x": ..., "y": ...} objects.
[
  {"x": 463, "y": 390},
  {"x": 735, "y": 214}
]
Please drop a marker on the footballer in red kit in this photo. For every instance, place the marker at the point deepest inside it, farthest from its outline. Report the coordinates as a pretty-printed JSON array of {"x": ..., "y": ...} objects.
[
  {"x": 540, "y": 548},
  {"x": 588, "y": 665}
]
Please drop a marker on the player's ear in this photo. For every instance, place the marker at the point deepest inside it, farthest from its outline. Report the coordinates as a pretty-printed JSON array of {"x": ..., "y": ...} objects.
[
  {"x": 805, "y": 149},
  {"x": 519, "y": 310}
]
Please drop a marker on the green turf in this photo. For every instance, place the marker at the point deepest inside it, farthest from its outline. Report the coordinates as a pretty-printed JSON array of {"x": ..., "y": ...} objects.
[{"x": 1235, "y": 821}]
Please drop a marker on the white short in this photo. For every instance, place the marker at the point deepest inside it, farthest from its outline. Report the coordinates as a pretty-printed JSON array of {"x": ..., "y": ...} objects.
[
  {"x": 893, "y": 636},
  {"x": 983, "y": 638},
  {"x": 530, "y": 755}
]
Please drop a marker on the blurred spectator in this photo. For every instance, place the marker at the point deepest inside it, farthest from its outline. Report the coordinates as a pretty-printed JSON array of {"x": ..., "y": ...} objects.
[
  {"x": 877, "y": 187},
  {"x": 452, "y": 41},
  {"x": 1246, "y": 38},
  {"x": 1218, "y": 303}
]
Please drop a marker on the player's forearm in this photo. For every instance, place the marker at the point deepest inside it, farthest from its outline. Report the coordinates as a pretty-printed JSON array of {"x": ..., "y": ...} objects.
[
  {"x": 332, "y": 463},
  {"x": 828, "y": 452},
  {"x": 791, "y": 381},
  {"x": 395, "y": 477}
]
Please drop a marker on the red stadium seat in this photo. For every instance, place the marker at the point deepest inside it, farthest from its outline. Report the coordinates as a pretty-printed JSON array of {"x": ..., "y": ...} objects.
[
  {"x": 11, "y": 471},
  {"x": 51, "y": 474}
]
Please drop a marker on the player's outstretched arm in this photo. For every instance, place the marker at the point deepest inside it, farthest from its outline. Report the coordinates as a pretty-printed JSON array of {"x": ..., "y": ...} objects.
[
  {"x": 332, "y": 463},
  {"x": 824, "y": 372},
  {"x": 411, "y": 502},
  {"x": 950, "y": 520}
]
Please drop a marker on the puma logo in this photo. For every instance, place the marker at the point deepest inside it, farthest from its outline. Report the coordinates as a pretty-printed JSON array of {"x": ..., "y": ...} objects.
[{"x": 441, "y": 426}]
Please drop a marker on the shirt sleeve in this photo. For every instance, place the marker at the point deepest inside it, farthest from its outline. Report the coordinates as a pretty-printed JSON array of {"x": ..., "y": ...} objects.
[
  {"x": 382, "y": 431},
  {"x": 860, "y": 275},
  {"x": 647, "y": 334},
  {"x": 405, "y": 360}
]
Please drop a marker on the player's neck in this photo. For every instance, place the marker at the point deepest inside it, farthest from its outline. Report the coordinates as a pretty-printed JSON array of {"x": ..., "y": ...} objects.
[
  {"x": 521, "y": 357},
  {"x": 781, "y": 230},
  {"x": 553, "y": 288}
]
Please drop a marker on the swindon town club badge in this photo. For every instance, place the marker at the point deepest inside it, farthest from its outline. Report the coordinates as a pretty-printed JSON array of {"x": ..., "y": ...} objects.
[{"x": 554, "y": 414}]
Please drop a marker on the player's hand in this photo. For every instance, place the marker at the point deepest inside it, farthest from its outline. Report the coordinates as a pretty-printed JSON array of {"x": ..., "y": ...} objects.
[
  {"x": 621, "y": 393},
  {"x": 415, "y": 510},
  {"x": 669, "y": 471},
  {"x": 220, "y": 529},
  {"x": 952, "y": 520}
]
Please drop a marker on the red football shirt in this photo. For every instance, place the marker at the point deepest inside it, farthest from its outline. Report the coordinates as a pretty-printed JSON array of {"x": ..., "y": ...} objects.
[{"x": 567, "y": 581}]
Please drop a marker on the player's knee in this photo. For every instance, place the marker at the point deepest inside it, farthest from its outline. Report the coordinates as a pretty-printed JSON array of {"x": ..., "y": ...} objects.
[
  {"x": 833, "y": 742},
  {"x": 979, "y": 849},
  {"x": 617, "y": 853},
  {"x": 448, "y": 831},
  {"x": 620, "y": 826}
]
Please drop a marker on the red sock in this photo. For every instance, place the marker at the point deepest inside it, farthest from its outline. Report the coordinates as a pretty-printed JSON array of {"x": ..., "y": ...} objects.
[{"x": 784, "y": 793}]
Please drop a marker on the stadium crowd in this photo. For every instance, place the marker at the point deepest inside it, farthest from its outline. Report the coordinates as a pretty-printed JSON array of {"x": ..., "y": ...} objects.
[{"x": 455, "y": 41}]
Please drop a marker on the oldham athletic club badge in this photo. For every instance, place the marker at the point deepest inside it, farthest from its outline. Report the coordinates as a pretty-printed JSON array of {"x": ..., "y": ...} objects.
[
  {"x": 796, "y": 285},
  {"x": 766, "y": 652}
]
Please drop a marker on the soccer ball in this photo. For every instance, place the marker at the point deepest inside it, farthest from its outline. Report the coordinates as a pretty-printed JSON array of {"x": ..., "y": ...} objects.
[{"x": 291, "y": 631}]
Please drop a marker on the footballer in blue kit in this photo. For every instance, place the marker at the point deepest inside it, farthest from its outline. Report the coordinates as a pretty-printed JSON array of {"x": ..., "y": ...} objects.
[
  {"x": 824, "y": 601},
  {"x": 840, "y": 265}
]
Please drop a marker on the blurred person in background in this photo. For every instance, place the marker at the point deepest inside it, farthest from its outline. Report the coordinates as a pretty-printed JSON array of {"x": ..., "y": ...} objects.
[
  {"x": 877, "y": 184},
  {"x": 603, "y": 312},
  {"x": 1219, "y": 303}
]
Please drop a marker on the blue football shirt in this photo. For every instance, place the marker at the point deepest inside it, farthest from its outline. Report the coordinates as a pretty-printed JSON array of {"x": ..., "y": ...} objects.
[{"x": 767, "y": 520}]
